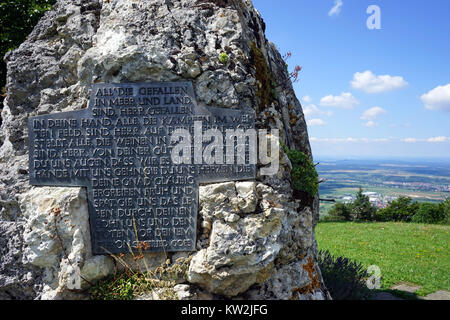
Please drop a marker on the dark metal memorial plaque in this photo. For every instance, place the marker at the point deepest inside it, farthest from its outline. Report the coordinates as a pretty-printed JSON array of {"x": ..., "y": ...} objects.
[{"x": 120, "y": 148}]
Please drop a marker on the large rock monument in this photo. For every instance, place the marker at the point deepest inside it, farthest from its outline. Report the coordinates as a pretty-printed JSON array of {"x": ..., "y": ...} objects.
[{"x": 82, "y": 91}]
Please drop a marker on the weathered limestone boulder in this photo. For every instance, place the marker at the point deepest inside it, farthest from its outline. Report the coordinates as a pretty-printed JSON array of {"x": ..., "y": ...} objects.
[
  {"x": 57, "y": 239},
  {"x": 255, "y": 238}
]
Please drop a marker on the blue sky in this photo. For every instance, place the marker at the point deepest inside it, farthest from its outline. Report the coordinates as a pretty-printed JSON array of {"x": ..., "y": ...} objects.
[{"x": 369, "y": 93}]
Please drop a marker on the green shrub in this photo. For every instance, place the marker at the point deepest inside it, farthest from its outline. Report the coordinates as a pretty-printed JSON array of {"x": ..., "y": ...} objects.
[
  {"x": 304, "y": 176},
  {"x": 430, "y": 213},
  {"x": 344, "y": 279},
  {"x": 17, "y": 20},
  {"x": 339, "y": 212},
  {"x": 402, "y": 209}
]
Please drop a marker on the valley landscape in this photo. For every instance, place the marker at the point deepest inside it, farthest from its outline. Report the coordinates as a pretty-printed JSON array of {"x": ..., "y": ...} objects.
[
  {"x": 412, "y": 258},
  {"x": 382, "y": 180}
]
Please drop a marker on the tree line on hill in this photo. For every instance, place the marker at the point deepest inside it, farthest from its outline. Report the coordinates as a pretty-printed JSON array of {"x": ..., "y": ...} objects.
[{"x": 403, "y": 209}]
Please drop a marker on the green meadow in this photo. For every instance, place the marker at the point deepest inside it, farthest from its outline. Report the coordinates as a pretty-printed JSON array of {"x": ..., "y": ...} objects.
[{"x": 405, "y": 252}]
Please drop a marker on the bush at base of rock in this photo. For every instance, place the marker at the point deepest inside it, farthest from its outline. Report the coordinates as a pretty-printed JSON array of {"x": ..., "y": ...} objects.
[{"x": 344, "y": 279}]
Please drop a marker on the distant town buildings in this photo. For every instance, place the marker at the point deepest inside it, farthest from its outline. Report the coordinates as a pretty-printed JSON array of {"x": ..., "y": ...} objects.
[
  {"x": 375, "y": 199},
  {"x": 424, "y": 186}
]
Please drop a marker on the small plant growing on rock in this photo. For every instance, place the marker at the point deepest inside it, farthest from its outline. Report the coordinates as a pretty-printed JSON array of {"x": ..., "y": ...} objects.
[
  {"x": 293, "y": 76},
  {"x": 128, "y": 285},
  {"x": 304, "y": 177},
  {"x": 223, "y": 58}
]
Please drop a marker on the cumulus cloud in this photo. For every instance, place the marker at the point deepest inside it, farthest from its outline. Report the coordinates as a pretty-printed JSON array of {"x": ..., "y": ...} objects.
[
  {"x": 336, "y": 9},
  {"x": 307, "y": 99},
  {"x": 370, "y": 115},
  {"x": 410, "y": 140},
  {"x": 315, "y": 122},
  {"x": 373, "y": 113},
  {"x": 313, "y": 111},
  {"x": 371, "y": 83},
  {"x": 345, "y": 101},
  {"x": 438, "y": 98}
]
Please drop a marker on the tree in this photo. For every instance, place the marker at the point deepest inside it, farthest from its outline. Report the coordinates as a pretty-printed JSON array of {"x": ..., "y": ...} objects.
[
  {"x": 430, "y": 213},
  {"x": 340, "y": 211},
  {"x": 17, "y": 20},
  {"x": 361, "y": 208},
  {"x": 402, "y": 209},
  {"x": 445, "y": 207}
]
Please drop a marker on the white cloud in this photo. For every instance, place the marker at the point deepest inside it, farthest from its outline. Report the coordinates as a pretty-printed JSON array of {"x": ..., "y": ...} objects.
[
  {"x": 371, "y": 124},
  {"x": 347, "y": 140},
  {"x": 345, "y": 101},
  {"x": 370, "y": 115},
  {"x": 315, "y": 122},
  {"x": 307, "y": 99},
  {"x": 441, "y": 139},
  {"x": 371, "y": 83},
  {"x": 336, "y": 9},
  {"x": 312, "y": 110},
  {"x": 438, "y": 98},
  {"x": 438, "y": 139},
  {"x": 373, "y": 113}
]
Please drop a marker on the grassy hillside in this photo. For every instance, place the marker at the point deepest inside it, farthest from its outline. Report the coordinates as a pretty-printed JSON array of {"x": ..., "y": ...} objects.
[{"x": 405, "y": 252}]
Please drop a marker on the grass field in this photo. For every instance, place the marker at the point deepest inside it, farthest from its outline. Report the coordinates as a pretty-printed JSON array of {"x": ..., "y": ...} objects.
[{"x": 405, "y": 252}]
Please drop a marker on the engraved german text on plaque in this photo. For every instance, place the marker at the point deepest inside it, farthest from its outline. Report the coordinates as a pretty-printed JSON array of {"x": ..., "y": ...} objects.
[{"x": 120, "y": 149}]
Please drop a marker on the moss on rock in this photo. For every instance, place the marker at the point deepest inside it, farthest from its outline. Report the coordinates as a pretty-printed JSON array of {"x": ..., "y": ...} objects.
[
  {"x": 266, "y": 92},
  {"x": 304, "y": 176}
]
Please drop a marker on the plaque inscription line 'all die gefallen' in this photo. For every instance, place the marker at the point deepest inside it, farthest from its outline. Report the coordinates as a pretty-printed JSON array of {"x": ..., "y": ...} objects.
[{"x": 120, "y": 149}]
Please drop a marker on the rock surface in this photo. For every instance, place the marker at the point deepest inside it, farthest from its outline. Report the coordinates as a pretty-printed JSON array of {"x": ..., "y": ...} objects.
[{"x": 255, "y": 240}]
